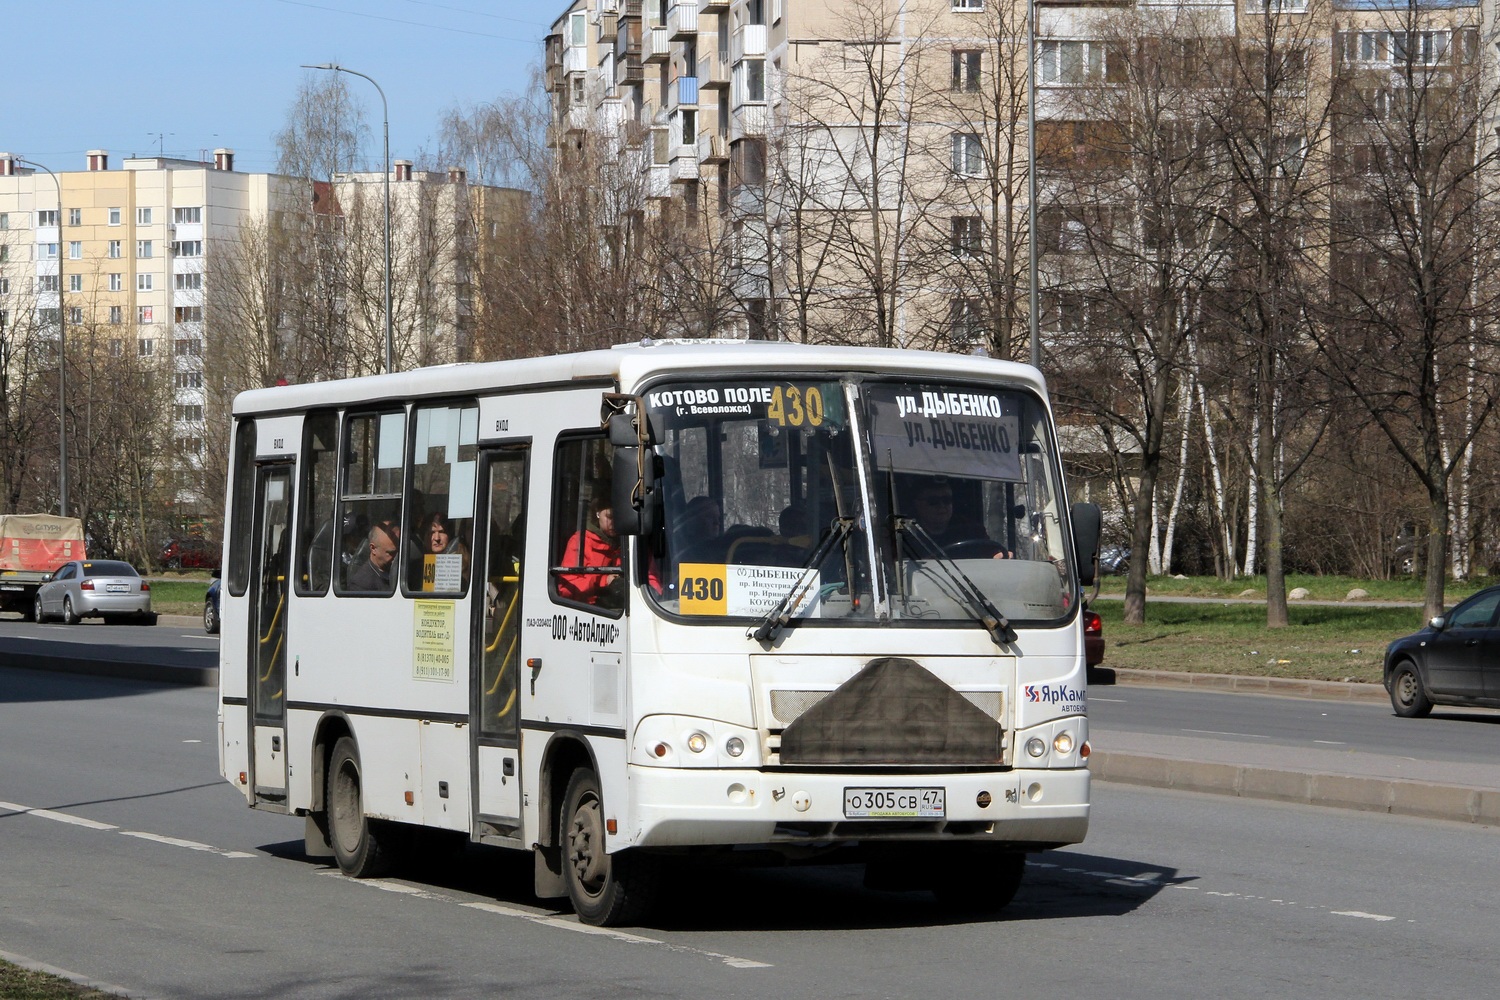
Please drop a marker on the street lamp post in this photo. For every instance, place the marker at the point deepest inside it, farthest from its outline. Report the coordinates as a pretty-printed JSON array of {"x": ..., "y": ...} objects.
[
  {"x": 1032, "y": 327},
  {"x": 62, "y": 355},
  {"x": 390, "y": 337}
]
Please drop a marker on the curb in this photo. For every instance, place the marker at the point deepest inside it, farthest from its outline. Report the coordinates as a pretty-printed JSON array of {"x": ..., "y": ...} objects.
[
  {"x": 1240, "y": 684},
  {"x": 1340, "y": 791}
]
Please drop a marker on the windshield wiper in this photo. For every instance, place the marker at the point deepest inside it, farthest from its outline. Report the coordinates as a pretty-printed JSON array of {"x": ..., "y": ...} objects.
[
  {"x": 780, "y": 616},
  {"x": 988, "y": 616}
]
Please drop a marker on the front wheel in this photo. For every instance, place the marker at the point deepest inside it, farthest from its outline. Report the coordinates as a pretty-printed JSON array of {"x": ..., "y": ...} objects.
[
  {"x": 1407, "y": 696},
  {"x": 210, "y": 618},
  {"x": 37, "y": 615},
  {"x": 606, "y": 890},
  {"x": 978, "y": 880},
  {"x": 361, "y": 846}
]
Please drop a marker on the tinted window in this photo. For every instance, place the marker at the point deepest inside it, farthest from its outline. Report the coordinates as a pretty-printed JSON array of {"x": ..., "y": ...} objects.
[
  {"x": 1477, "y": 612},
  {"x": 242, "y": 500},
  {"x": 108, "y": 567}
]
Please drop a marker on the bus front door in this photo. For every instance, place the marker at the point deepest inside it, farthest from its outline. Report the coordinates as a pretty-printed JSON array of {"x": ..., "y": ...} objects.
[
  {"x": 496, "y": 647},
  {"x": 269, "y": 586}
]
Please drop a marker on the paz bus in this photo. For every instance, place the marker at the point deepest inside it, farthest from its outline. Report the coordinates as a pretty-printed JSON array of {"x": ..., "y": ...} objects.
[{"x": 669, "y": 599}]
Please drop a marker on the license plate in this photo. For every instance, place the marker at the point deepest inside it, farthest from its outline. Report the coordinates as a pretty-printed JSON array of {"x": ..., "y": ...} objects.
[
  {"x": 894, "y": 803},
  {"x": 117, "y": 588}
]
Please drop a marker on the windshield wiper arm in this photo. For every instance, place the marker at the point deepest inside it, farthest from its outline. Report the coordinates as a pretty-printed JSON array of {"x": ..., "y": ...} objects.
[
  {"x": 989, "y": 617},
  {"x": 780, "y": 616}
]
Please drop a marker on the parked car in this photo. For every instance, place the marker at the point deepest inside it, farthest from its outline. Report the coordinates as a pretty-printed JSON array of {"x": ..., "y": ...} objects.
[
  {"x": 1093, "y": 639},
  {"x": 189, "y": 553},
  {"x": 211, "y": 608},
  {"x": 1454, "y": 660},
  {"x": 1114, "y": 559},
  {"x": 95, "y": 588}
]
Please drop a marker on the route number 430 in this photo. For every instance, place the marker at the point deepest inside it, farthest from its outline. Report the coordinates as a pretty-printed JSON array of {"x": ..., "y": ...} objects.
[{"x": 794, "y": 407}]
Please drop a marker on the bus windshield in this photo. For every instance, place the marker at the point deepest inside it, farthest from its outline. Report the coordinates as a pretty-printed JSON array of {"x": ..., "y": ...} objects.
[{"x": 856, "y": 501}]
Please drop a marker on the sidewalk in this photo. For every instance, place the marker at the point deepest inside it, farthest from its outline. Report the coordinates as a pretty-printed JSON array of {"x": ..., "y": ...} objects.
[{"x": 1371, "y": 782}]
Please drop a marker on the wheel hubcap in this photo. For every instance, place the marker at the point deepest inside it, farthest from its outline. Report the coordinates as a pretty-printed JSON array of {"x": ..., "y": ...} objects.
[
  {"x": 345, "y": 810},
  {"x": 1407, "y": 688},
  {"x": 586, "y": 846}
]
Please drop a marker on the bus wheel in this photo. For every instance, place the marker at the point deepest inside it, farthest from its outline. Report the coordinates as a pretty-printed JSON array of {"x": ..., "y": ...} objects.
[
  {"x": 977, "y": 879},
  {"x": 606, "y": 890},
  {"x": 360, "y": 845}
]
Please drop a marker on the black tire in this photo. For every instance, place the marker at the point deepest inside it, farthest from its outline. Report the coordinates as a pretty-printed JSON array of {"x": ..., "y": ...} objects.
[
  {"x": 210, "y": 618},
  {"x": 68, "y": 617},
  {"x": 977, "y": 880},
  {"x": 607, "y": 890},
  {"x": 1407, "y": 696},
  {"x": 37, "y": 614},
  {"x": 361, "y": 846}
]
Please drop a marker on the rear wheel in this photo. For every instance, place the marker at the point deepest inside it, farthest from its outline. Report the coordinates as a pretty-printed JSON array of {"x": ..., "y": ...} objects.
[
  {"x": 978, "y": 880},
  {"x": 363, "y": 847},
  {"x": 606, "y": 890},
  {"x": 69, "y": 618},
  {"x": 1407, "y": 696}
]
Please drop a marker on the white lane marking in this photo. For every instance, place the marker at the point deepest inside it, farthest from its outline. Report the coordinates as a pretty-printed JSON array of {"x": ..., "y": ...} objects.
[
  {"x": 1331, "y": 743},
  {"x": 58, "y": 817},
  {"x": 1111, "y": 701},
  {"x": 191, "y": 845},
  {"x": 1215, "y": 732},
  {"x": 547, "y": 920},
  {"x": 1362, "y": 915},
  {"x": 192, "y": 741}
]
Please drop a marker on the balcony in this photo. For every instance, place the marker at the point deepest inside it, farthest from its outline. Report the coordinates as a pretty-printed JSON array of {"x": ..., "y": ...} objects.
[
  {"x": 682, "y": 93},
  {"x": 655, "y": 47},
  {"x": 684, "y": 165},
  {"x": 713, "y": 4},
  {"x": 713, "y": 73},
  {"x": 576, "y": 59},
  {"x": 682, "y": 19},
  {"x": 607, "y": 29},
  {"x": 631, "y": 70},
  {"x": 713, "y": 148},
  {"x": 630, "y": 8},
  {"x": 749, "y": 120},
  {"x": 747, "y": 40},
  {"x": 658, "y": 177}
]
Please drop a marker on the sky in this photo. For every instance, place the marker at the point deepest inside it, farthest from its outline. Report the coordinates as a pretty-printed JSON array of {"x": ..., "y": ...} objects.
[{"x": 183, "y": 77}]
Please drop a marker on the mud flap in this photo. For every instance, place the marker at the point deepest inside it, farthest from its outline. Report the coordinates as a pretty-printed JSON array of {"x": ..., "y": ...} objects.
[{"x": 549, "y": 873}]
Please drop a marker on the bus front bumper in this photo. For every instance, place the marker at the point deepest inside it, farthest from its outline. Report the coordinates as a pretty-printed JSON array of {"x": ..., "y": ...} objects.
[{"x": 1028, "y": 809}]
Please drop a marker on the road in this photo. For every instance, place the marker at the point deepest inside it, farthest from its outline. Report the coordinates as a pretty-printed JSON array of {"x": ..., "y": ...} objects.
[
  {"x": 148, "y": 873},
  {"x": 171, "y": 649}
]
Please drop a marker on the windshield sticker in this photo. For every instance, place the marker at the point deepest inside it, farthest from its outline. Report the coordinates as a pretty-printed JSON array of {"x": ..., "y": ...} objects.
[
  {"x": 744, "y": 591},
  {"x": 783, "y": 405},
  {"x": 964, "y": 434}
]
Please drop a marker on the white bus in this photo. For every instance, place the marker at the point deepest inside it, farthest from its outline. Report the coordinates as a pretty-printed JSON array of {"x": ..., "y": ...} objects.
[{"x": 672, "y": 598}]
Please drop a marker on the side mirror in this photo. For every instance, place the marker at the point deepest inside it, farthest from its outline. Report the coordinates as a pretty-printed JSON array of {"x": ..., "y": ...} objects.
[
  {"x": 1087, "y": 525},
  {"x": 1436, "y": 621},
  {"x": 632, "y": 477}
]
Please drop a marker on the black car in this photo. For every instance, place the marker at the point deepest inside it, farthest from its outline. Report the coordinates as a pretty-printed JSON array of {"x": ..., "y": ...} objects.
[
  {"x": 211, "y": 608},
  {"x": 1455, "y": 660}
]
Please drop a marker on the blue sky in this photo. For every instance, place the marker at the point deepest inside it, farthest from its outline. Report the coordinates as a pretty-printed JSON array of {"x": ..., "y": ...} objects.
[{"x": 186, "y": 76}]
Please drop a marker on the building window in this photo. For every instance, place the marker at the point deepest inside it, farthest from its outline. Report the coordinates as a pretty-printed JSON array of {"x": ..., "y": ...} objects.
[
  {"x": 187, "y": 282},
  {"x": 117, "y": 282},
  {"x": 966, "y": 235},
  {"x": 968, "y": 155},
  {"x": 188, "y": 314},
  {"x": 187, "y": 411},
  {"x": 46, "y": 251},
  {"x": 116, "y": 317},
  {"x": 114, "y": 248},
  {"x": 114, "y": 217},
  {"x": 578, "y": 92},
  {"x": 75, "y": 216},
  {"x": 965, "y": 323},
  {"x": 189, "y": 215},
  {"x": 188, "y": 248},
  {"x": 190, "y": 445},
  {"x": 968, "y": 4},
  {"x": 4, "y": 286},
  {"x": 966, "y": 64},
  {"x": 75, "y": 282},
  {"x": 143, "y": 217},
  {"x": 189, "y": 347},
  {"x": 4, "y": 220},
  {"x": 145, "y": 347},
  {"x": 116, "y": 347},
  {"x": 46, "y": 217},
  {"x": 46, "y": 283},
  {"x": 143, "y": 282},
  {"x": 578, "y": 29},
  {"x": 4, "y": 251},
  {"x": 143, "y": 314},
  {"x": 750, "y": 80},
  {"x": 689, "y": 128},
  {"x": 189, "y": 380},
  {"x": 75, "y": 315},
  {"x": 75, "y": 250},
  {"x": 1073, "y": 62},
  {"x": 143, "y": 249},
  {"x": 48, "y": 317}
]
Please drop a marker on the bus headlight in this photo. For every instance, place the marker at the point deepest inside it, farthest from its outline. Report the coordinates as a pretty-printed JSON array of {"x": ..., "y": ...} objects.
[
  {"x": 1036, "y": 746},
  {"x": 734, "y": 746},
  {"x": 1063, "y": 743},
  {"x": 697, "y": 743},
  {"x": 683, "y": 741}
]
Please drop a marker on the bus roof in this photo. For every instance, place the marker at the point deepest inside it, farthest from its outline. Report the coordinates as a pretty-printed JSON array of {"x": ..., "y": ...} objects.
[{"x": 627, "y": 366}]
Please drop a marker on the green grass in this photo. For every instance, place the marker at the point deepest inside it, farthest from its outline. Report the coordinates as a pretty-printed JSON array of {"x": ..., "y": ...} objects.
[
  {"x": 177, "y": 597},
  {"x": 1319, "y": 588},
  {"x": 17, "y": 983},
  {"x": 1320, "y": 643}
]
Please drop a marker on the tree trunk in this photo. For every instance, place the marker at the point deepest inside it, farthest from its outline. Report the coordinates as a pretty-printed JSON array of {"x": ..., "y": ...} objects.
[
  {"x": 1140, "y": 540},
  {"x": 1437, "y": 549}
]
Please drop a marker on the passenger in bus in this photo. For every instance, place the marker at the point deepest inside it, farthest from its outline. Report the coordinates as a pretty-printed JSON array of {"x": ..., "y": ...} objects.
[
  {"x": 595, "y": 546},
  {"x": 374, "y": 574},
  {"x": 699, "y": 531},
  {"x": 438, "y": 536},
  {"x": 933, "y": 508}
]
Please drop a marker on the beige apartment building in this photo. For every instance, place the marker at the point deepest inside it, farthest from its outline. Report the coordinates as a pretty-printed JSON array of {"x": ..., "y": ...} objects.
[{"x": 868, "y": 159}]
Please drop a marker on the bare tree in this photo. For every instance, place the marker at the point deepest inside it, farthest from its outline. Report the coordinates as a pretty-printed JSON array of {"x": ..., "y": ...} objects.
[{"x": 325, "y": 127}]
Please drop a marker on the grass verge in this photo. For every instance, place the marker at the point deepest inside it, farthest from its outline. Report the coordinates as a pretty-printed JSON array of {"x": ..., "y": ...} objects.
[
  {"x": 17, "y": 983},
  {"x": 177, "y": 597},
  {"x": 1320, "y": 643},
  {"x": 1319, "y": 588}
]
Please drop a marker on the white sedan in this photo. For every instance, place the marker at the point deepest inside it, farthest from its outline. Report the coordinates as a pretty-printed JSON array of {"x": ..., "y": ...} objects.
[{"x": 95, "y": 588}]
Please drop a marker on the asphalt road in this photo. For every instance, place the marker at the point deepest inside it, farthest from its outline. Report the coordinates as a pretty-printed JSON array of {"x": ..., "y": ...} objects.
[
  {"x": 171, "y": 649},
  {"x": 128, "y": 861}
]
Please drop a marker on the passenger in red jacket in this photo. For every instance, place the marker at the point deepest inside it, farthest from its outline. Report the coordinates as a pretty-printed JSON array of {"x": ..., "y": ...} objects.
[{"x": 594, "y": 546}]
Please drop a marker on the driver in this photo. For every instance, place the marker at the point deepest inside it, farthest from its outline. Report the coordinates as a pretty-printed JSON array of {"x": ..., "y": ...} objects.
[{"x": 933, "y": 508}]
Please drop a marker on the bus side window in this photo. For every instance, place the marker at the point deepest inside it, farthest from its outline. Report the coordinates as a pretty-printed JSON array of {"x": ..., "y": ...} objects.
[
  {"x": 315, "y": 538},
  {"x": 584, "y": 548},
  {"x": 242, "y": 512},
  {"x": 370, "y": 503},
  {"x": 440, "y": 505}
]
